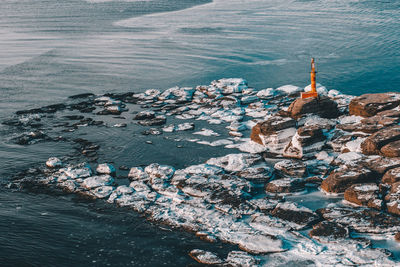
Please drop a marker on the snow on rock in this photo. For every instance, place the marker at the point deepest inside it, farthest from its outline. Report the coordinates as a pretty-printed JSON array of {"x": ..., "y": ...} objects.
[
  {"x": 159, "y": 171},
  {"x": 267, "y": 93},
  {"x": 234, "y": 162},
  {"x": 54, "y": 162},
  {"x": 289, "y": 89},
  {"x": 207, "y": 132},
  {"x": 106, "y": 168},
  {"x": 229, "y": 86},
  {"x": 240, "y": 258},
  {"x": 97, "y": 181},
  {"x": 205, "y": 257},
  {"x": 137, "y": 173},
  {"x": 81, "y": 171}
]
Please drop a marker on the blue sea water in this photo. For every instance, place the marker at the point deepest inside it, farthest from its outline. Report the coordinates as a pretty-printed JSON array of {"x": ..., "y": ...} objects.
[{"x": 51, "y": 49}]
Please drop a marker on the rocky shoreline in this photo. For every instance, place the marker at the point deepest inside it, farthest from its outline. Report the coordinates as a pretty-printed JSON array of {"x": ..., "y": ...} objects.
[{"x": 341, "y": 145}]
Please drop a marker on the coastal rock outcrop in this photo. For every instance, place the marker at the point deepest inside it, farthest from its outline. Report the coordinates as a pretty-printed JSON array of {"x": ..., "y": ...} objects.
[{"x": 368, "y": 105}]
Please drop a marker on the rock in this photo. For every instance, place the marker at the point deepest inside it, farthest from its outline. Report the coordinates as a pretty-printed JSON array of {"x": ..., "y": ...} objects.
[
  {"x": 240, "y": 258},
  {"x": 285, "y": 185},
  {"x": 256, "y": 174},
  {"x": 290, "y": 168},
  {"x": 31, "y": 138},
  {"x": 391, "y": 176},
  {"x": 97, "y": 181},
  {"x": 328, "y": 231},
  {"x": 307, "y": 141},
  {"x": 153, "y": 122},
  {"x": 290, "y": 211},
  {"x": 363, "y": 220},
  {"x": 322, "y": 106},
  {"x": 391, "y": 150},
  {"x": 234, "y": 162},
  {"x": 397, "y": 237},
  {"x": 373, "y": 144},
  {"x": 54, "y": 162},
  {"x": 380, "y": 164},
  {"x": 368, "y": 105},
  {"x": 137, "y": 173},
  {"x": 340, "y": 179},
  {"x": 364, "y": 195},
  {"x": 145, "y": 115},
  {"x": 102, "y": 191},
  {"x": 204, "y": 257},
  {"x": 393, "y": 199},
  {"x": 106, "y": 168}
]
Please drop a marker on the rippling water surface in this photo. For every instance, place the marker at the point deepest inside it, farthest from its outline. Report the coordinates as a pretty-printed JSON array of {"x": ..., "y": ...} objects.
[{"x": 51, "y": 49}]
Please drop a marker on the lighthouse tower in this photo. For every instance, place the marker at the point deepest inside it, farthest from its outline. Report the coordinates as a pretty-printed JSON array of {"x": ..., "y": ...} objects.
[{"x": 313, "y": 92}]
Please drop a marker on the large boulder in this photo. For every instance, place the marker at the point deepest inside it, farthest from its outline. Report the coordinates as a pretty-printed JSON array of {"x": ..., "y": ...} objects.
[
  {"x": 370, "y": 104},
  {"x": 329, "y": 231},
  {"x": 321, "y": 106},
  {"x": 391, "y": 150},
  {"x": 341, "y": 179},
  {"x": 373, "y": 144}
]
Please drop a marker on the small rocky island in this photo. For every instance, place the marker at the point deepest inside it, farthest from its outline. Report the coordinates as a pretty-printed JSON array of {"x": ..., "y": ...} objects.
[{"x": 339, "y": 152}]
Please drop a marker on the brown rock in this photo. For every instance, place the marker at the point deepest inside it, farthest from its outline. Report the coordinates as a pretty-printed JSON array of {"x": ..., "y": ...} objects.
[
  {"x": 393, "y": 199},
  {"x": 391, "y": 176},
  {"x": 329, "y": 230},
  {"x": 381, "y": 164},
  {"x": 376, "y": 141},
  {"x": 300, "y": 145},
  {"x": 322, "y": 106},
  {"x": 391, "y": 150},
  {"x": 364, "y": 195},
  {"x": 397, "y": 237},
  {"x": 270, "y": 126},
  {"x": 340, "y": 179},
  {"x": 370, "y": 104}
]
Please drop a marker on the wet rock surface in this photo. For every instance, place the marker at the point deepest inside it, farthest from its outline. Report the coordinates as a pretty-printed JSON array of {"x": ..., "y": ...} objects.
[{"x": 280, "y": 148}]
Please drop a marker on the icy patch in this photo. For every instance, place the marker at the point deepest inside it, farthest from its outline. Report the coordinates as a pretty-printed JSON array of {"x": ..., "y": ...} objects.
[
  {"x": 54, "y": 162},
  {"x": 207, "y": 132},
  {"x": 234, "y": 162},
  {"x": 289, "y": 89},
  {"x": 106, "y": 168}
]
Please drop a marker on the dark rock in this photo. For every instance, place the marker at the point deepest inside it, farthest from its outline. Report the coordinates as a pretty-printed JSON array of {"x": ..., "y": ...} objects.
[
  {"x": 322, "y": 106},
  {"x": 340, "y": 179},
  {"x": 152, "y": 131},
  {"x": 329, "y": 230},
  {"x": 370, "y": 104},
  {"x": 373, "y": 144},
  {"x": 47, "y": 109},
  {"x": 293, "y": 213},
  {"x": 153, "y": 122},
  {"x": 362, "y": 220},
  {"x": 84, "y": 95},
  {"x": 31, "y": 138},
  {"x": 144, "y": 115},
  {"x": 74, "y": 117},
  {"x": 285, "y": 185},
  {"x": 84, "y": 107},
  {"x": 290, "y": 168}
]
